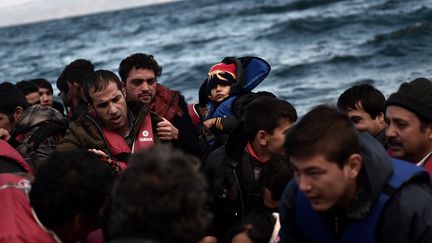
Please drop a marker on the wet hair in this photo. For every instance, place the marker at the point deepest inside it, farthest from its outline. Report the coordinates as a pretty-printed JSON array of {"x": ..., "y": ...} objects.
[
  {"x": 98, "y": 81},
  {"x": 138, "y": 61},
  {"x": 27, "y": 87},
  {"x": 372, "y": 100},
  {"x": 75, "y": 71},
  {"x": 43, "y": 83},
  {"x": 171, "y": 205},
  {"x": 323, "y": 130},
  {"x": 258, "y": 227},
  {"x": 70, "y": 183},
  {"x": 265, "y": 113},
  {"x": 11, "y": 97}
]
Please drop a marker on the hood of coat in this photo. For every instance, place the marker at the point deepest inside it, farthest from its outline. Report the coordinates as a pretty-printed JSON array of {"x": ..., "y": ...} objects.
[
  {"x": 376, "y": 163},
  {"x": 36, "y": 115}
]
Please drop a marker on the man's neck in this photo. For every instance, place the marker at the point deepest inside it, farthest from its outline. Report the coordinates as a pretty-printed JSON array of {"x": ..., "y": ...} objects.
[{"x": 259, "y": 151}]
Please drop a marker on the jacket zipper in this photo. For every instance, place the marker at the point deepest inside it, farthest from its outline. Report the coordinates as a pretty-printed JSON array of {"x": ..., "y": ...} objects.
[{"x": 240, "y": 193}]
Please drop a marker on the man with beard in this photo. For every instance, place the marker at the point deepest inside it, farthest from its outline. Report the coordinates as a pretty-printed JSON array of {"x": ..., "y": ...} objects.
[
  {"x": 409, "y": 122},
  {"x": 139, "y": 73}
]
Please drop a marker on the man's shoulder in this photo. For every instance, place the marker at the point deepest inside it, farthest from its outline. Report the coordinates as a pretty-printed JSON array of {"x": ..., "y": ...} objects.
[
  {"x": 409, "y": 211},
  {"x": 413, "y": 196}
]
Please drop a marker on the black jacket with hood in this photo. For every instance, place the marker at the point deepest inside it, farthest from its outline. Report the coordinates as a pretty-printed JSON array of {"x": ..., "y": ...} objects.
[{"x": 234, "y": 188}]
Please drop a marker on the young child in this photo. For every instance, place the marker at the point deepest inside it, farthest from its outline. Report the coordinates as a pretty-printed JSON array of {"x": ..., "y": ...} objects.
[
  {"x": 227, "y": 89},
  {"x": 220, "y": 78}
]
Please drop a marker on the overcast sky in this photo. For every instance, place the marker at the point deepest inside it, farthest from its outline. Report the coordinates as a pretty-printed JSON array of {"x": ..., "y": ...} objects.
[{"x": 13, "y": 12}]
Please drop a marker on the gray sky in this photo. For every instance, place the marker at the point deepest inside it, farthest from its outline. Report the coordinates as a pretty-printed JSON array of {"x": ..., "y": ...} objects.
[{"x": 13, "y": 12}]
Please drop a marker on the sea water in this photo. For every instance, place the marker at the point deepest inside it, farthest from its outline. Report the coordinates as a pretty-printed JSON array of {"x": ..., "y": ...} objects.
[{"x": 316, "y": 48}]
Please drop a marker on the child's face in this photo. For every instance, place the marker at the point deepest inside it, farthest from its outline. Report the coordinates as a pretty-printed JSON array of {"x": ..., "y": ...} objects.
[{"x": 220, "y": 92}]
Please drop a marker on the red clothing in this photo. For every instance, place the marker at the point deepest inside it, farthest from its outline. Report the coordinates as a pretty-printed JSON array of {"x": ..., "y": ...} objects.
[
  {"x": 9, "y": 152},
  {"x": 19, "y": 223},
  {"x": 428, "y": 165},
  {"x": 166, "y": 103}
]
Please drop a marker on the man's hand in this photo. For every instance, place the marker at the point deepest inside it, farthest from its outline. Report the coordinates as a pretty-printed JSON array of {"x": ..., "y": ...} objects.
[
  {"x": 4, "y": 134},
  {"x": 209, "y": 123},
  {"x": 98, "y": 152},
  {"x": 166, "y": 131}
]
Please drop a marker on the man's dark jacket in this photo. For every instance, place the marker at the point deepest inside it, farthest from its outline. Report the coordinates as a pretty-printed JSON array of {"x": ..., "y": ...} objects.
[{"x": 234, "y": 190}]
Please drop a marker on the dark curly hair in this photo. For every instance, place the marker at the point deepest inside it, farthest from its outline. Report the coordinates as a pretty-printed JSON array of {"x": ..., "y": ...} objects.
[
  {"x": 138, "y": 61},
  {"x": 161, "y": 197}
]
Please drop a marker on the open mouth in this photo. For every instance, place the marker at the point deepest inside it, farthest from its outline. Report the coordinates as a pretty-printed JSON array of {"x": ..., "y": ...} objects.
[
  {"x": 116, "y": 119},
  {"x": 314, "y": 199}
]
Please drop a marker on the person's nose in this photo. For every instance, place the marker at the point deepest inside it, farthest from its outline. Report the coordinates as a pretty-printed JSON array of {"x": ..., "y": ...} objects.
[
  {"x": 390, "y": 131},
  {"x": 303, "y": 183},
  {"x": 145, "y": 86},
  {"x": 112, "y": 109}
]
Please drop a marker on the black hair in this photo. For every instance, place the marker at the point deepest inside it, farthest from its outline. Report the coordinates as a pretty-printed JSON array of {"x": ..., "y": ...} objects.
[
  {"x": 258, "y": 227},
  {"x": 11, "y": 97},
  {"x": 75, "y": 71},
  {"x": 98, "y": 81},
  {"x": 323, "y": 130},
  {"x": 27, "y": 87},
  {"x": 265, "y": 113},
  {"x": 43, "y": 83},
  {"x": 138, "y": 61},
  {"x": 372, "y": 100},
  {"x": 275, "y": 175},
  {"x": 70, "y": 183},
  {"x": 171, "y": 202}
]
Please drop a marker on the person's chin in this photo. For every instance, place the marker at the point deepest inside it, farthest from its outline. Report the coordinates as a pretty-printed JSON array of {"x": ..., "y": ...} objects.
[
  {"x": 146, "y": 100},
  {"x": 318, "y": 204}
]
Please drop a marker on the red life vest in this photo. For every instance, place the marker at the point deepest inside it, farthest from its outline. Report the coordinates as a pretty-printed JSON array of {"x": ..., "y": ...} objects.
[
  {"x": 118, "y": 145},
  {"x": 428, "y": 165},
  {"x": 9, "y": 152},
  {"x": 18, "y": 221}
]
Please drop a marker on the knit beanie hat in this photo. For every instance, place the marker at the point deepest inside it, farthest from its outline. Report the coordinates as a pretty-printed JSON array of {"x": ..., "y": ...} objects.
[
  {"x": 415, "y": 96},
  {"x": 221, "y": 73}
]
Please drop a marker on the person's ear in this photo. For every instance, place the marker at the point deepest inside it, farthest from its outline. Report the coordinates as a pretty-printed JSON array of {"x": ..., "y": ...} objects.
[
  {"x": 17, "y": 113},
  {"x": 123, "y": 88},
  {"x": 261, "y": 138},
  {"x": 354, "y": 165},
  {"x": 90, "y": 107},
  {"x": 380, "y": 118},
  {"x": 429, "y": 131}
]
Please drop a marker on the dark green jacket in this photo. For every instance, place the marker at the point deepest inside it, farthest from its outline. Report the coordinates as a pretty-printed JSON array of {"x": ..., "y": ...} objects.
[{"x": 86, "y": 131}]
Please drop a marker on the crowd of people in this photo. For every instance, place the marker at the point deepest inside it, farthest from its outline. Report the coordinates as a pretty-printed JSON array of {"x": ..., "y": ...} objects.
[{"x": 123, "y": 158}]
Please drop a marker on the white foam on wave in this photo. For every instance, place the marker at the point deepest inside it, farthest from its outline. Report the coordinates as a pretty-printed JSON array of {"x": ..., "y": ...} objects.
[{"x": 29, "y": 11}]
